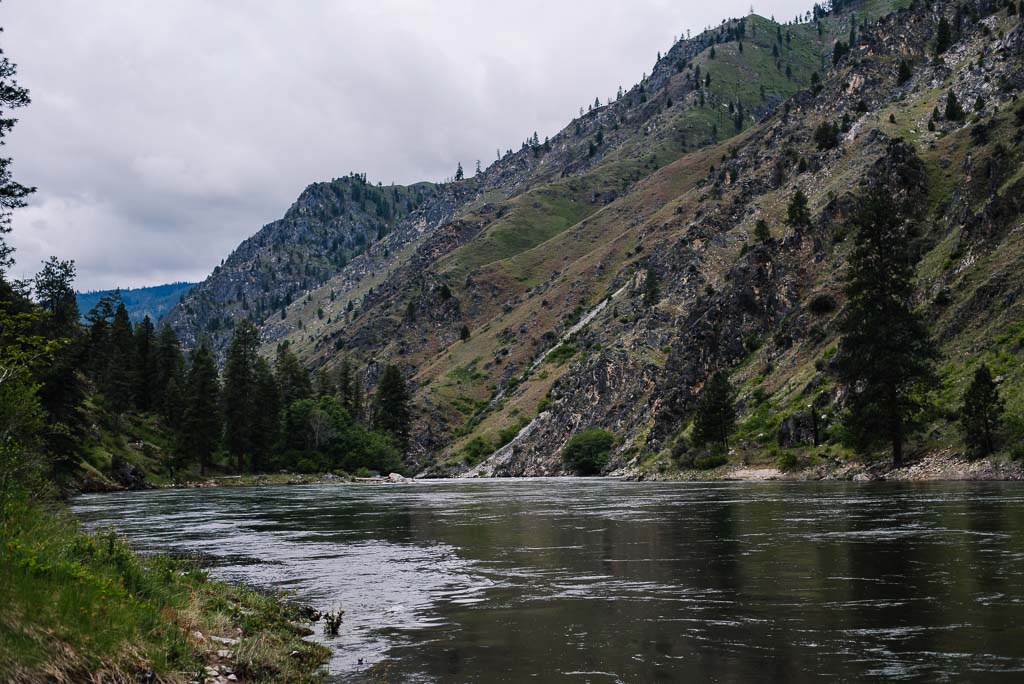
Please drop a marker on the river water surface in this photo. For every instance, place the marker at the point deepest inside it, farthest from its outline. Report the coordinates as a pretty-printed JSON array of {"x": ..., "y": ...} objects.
[{"x": 605, "y": 581}]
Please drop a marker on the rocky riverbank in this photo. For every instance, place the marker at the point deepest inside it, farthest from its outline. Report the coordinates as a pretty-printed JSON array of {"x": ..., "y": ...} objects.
[{"x": 945, "y": 465}]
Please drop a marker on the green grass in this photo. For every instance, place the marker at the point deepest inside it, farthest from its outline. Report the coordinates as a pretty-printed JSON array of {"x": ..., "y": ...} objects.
[{"x": 79, "y": 607}]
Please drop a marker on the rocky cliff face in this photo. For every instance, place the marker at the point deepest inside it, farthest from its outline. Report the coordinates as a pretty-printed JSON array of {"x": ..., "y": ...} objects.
[
  {"x": 547, "y": 257},
  {"x": 330, "y": 225}
]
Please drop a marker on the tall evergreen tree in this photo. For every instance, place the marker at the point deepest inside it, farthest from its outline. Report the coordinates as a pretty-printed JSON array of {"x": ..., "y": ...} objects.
[
  {"x": 324, "y": 384},
  {"x": 761, "y": 231},
  {"x": 99, "y": 319},
  {"x": 201, "y": 421},
  {"x": 62, "y": 388},
  {"x": 292, "y": 378},
  {"x": 169, "y": 366},
  {"x": 267, "y": 428},
  {"x": 344, "y": 381},
  {"x": 117, "y": 381},
  {"x": 145, "y": 372},
  {"x": 797, "y": 213},
  {"x": 887, "y": 356},
  {"x": 954, "y": 112},
  {"x": 982, "y": 412},
  {"x": 651, "y": 289},
  {"x": 943, "y": 36},
  {"x": 391, "y": 410},
  {"x": 55, "y": 292},
  {"x": 240, "y": 392},
  {"x": 716, "y": 412},
  {"x": 12, "y": 193}
]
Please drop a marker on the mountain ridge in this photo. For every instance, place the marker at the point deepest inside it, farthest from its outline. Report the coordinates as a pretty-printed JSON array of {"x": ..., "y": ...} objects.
[{"x": 667, "y": 182}]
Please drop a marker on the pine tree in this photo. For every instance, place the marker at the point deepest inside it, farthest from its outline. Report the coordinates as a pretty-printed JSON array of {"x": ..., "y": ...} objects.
[
  {"x": 267, "y": 423},
  {"x": 982, "y": 412},
  {"x": 117, "y": 381},
  {"x": 651, "y": 288},
  {"x": 62, "y": 389},
  {"x": 201, "y": 421},
  {"x": 169, "y": 365},
  {"x": 344, "y": 382},
  {"x": 904, "y": 73},
  {"x": 716, "y": 412},
  {"x": 292, "y": 378},
  {"x": 943, "y": 37},
  {"x": 12, "y": 194},
  {"x": 391, "y": 411},
  {"x": 324, "y": 385},
  {"x": 954, "y": 112},
  {"x": 98, "y": 351},
  {"x": 761, "y": 231},
  {"x": 55, "y": 293},
  {"x": 240, "y": 392},
  {"x": 886, "y": 355},
  {"x": 459, "y": 174},
  {"x": 464, "y": 333},
  {"x": 145, "y": 376},
  {"x": 797, "y": 214}
]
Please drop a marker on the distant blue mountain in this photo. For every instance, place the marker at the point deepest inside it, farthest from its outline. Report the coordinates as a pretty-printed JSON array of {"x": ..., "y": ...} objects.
[{"x": 141, "y": 302}]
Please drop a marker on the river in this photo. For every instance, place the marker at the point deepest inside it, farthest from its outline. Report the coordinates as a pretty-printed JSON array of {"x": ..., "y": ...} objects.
[{"x": 593, "y": 580}]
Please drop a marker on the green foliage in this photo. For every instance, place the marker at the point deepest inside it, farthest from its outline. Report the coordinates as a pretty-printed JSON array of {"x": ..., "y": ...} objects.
[
  {"x": 954, "y": 112},
  {"x": 761, "y": 231},
  {"x": 201, "y": 421},
  {"x": 981, "y": 415},
  {"x": 561, "y": 353},
  {"x": 943, "y": 36},
  {"x": 710, "y": 460},
  {"x": 887, "y": 364},
  {"x": 588, "y": 452},
  {"x": 87, "y": 604},
  {"x": 826, "y": 136},
  {"x": 651, "y": 288},
  {"x": 716, "y": 412},
  {"x": 240, "y": 405},
  {"x": 797, "y": 213},
  {"x": 391, "y": 413},
  {"x": 904, "y": 73},
  {"x": 822, "y": 304},
  {"x": 786, "y": 462},
  {"x": 476, "y": 450}
]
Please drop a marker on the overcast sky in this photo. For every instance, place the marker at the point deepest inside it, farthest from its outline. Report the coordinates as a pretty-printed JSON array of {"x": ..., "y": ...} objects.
[{"x": 163, "y": 133}]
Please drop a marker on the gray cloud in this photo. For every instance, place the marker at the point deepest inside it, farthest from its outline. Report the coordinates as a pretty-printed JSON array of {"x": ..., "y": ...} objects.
[{"x": 162, "y": 134}]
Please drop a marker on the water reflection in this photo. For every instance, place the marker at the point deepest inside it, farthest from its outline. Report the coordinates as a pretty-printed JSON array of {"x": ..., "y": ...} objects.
[{"x": 611, "y": 581}]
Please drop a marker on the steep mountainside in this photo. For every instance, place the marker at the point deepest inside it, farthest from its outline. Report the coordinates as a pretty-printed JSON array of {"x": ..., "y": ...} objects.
[
  {"x": 544, "y": 256},
  {"x": 328, "y": 226}
]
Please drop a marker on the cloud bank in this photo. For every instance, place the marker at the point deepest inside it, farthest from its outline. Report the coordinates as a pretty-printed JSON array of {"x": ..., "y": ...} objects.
[{"x": 162, "y": 134}]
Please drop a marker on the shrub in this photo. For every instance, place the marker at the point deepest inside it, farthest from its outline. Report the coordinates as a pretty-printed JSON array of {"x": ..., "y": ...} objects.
[
  {"x": 476, "y": 450},
  {"x": 786, "y": 462},
  {"x": 822, "y": 304},
  {"x": 561, "y": 353},
  {"x": 587, "y": 453},
  {"x": 905, "y": 72},
  {"x": 710, "y": 460},
  {"x": 761, "y": 231},
  {"x": 826, "y": 136}
]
